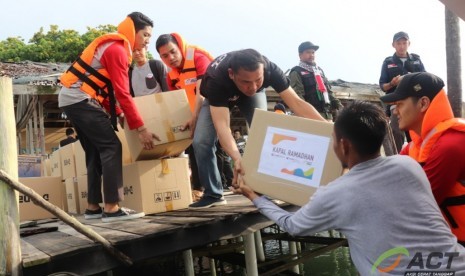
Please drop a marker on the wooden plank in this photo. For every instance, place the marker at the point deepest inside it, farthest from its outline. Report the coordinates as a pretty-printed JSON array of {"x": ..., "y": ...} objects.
[
  {"x": 182, "y": 221},
  {"x": 32, "y": 256},
  {"x": 112, "y": 235},
  {"x": 205, "y": 213},
  {"x": 140, "y": 227},
  {"x": 58, "y": 243}
]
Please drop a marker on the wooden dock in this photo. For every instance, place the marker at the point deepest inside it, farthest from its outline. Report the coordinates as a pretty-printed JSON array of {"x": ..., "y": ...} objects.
[{"x": 152, "y": 236}]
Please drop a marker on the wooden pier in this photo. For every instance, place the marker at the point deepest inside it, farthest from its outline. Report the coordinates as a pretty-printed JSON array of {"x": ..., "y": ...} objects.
[
  {"x": 152, "y": 236},
  {"x": 52, "y": 246}
]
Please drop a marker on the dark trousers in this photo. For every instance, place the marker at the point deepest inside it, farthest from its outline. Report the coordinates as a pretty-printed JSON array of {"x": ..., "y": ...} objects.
[
  {"x": 224, "y": 167},
  {"x": 103, "y": 151},
  {"x": 195, "y": 181}
]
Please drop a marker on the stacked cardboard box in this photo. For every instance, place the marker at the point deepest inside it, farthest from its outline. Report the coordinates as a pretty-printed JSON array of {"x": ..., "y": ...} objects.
[
  {"x": 154, "y": 182},
  {"x": 50, "y": 188}
]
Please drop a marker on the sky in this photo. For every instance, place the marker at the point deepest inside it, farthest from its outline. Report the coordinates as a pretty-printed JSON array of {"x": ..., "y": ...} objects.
[{"x": 354, "y": 36}]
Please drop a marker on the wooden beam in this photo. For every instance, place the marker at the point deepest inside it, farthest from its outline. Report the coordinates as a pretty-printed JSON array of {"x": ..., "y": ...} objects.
[{"x": 10, "y": 247}]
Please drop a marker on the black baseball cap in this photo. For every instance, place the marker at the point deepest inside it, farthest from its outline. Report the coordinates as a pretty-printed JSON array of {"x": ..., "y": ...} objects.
[
  {"x": 415, "y": 85},
  {"x": 400, "y": 35},
  {"x": 307, "y": 45}
]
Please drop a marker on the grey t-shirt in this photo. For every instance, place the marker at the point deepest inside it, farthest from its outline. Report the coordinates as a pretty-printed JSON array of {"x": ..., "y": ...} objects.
[
  {"x": 378, "y": 205},
  {"x": 143, "y": 81}
]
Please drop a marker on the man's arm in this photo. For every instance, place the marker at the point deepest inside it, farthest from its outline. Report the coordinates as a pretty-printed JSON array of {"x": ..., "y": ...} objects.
[
  {"x": 221, "y": 120},
  {"x": 385, "y": 83},
  {"x": 313, "y": 217},
  {"x": 299, "y": 106}
]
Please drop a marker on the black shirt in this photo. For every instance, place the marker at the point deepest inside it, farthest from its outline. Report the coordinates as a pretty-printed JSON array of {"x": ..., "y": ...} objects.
[{"x": 220, "y": 90}]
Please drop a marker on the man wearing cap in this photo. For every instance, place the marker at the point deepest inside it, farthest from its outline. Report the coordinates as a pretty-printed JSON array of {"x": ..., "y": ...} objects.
[
  {"x": 394, "y": 67},
  {"x": 310, "y": 83},
  {"x": 438, "y": 141}
]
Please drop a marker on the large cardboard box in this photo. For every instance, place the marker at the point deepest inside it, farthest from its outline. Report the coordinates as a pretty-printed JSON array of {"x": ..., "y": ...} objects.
[
  {"x": 155, "y": 186},
  {"x": 164, "y": 114},
  {"x": 288, "y": 157},
  {"x": 50, "y": 188},
  {"x": 47, "y": 167},
  {"x": 68, "y": 162},
  {"x": 127, "y": 158},
  {"x": 55, "y": 163},
  {"x": 72, "y": 195},
  {"x": 29, "y": 166},
  {"x": 82, "y": 193},
  {"x": 76, "y": 194},
  {"x": 80, "y": 158}
]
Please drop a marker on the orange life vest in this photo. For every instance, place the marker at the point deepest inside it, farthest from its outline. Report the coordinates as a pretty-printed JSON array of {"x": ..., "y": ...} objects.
[
  {"x": 96, "y": 82},
  {"x": 453, "y": 206},
  {"x": 186, "y": 78}
]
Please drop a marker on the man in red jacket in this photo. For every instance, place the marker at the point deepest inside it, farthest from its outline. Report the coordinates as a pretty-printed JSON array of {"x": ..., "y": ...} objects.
[{"x": 97, "y": 79}]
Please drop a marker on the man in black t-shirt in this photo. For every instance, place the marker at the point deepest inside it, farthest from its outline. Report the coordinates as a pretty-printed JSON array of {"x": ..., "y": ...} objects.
[{"x": 239, "y": 79}]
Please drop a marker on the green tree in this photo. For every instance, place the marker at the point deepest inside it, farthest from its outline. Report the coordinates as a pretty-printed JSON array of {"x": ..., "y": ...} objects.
[
  {"x": 12, "y": 49},
  {"x": 54, "y": 46}
]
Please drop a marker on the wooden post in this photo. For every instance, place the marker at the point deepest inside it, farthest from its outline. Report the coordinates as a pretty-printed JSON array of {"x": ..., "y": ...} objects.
[
  {"x": 10, "y": 249},
  {"x": 41, "y": 128},
  {"x": 454, "y": 62}
]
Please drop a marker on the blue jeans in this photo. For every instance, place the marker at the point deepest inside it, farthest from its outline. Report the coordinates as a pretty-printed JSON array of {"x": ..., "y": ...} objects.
[{"x": 205, "y": 138}]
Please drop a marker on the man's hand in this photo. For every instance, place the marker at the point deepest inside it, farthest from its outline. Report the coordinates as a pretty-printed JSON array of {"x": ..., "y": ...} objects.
[
  {"x": 238, "y": 171},
  {"x": 121, "y": 120},
  {"x": 191, "y": 126},
  {"x": 146, "y": 138},
  {"x": 395, "y": 81},
  {"x": 241, "y": 188}
]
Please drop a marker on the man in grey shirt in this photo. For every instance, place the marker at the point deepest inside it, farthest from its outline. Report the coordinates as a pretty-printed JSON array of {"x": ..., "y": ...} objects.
[{"x": 383, "y": 205}]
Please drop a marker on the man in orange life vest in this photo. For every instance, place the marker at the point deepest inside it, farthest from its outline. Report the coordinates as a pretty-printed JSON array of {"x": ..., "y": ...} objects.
[
  {"x": 188, "y": 64},
  {"x": 97, "y": 79},
  {"x": 438, "y": 140}
]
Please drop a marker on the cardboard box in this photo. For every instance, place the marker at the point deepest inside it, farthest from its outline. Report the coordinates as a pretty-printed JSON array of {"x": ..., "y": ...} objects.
[
  {"x": 164, "y": 114},
  {"x": 47, "y": 167},
  {"x": 76, "y": 194},
  {"x": 155, "y": 186},
  {"x": 68, "y": 162},
  {"x": 80, "y": 158},
  {"x": 72, "y": 195},
  {"x": 50, "y": 188},
  {"x": 127, "y": 158},
  {"x": 55, "y": 163},
  {"x": 288, "y": 157},
  {"x": 82, "y": 193},
  {"x": 29, "y": 166}
]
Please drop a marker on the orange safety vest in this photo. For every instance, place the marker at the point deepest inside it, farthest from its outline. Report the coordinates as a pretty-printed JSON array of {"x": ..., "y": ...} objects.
[
  {"x": 96, "y": 82},
  {"x": 186, "y": 78},
  {"x": 453, "y": 206}
]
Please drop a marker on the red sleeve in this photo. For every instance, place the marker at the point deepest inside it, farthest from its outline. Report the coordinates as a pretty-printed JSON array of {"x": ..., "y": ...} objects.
[
  {"x": 405, "y": 150},
  {"x": 115, "y": 61},
  {"x": 446, "y": 163},
  {"x": 201, "y": 62},
  {"x": 170, "y": 83}
]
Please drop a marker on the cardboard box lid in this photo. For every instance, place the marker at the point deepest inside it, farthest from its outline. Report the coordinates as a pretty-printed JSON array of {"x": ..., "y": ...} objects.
[
  {"x": 164, "y": 114},
  {"x": 288, "y": 157}
]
